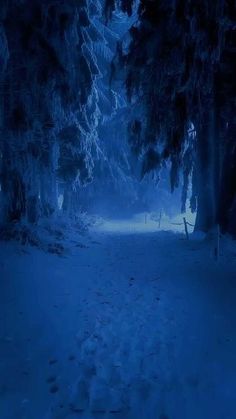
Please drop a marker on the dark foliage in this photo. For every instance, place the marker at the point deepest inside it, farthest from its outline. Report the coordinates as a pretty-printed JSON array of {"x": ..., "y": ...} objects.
[{"x": 180, "y": 66}]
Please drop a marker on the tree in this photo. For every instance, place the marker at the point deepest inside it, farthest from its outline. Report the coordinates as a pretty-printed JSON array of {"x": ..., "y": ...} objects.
[
  {"x": 115, "y": 185},
  {"x": 48, "y": 104},
  {"x": 178, "y": 65}
]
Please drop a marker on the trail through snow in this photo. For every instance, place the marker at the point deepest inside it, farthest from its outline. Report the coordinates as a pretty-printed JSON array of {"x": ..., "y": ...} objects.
[{"x": 125, "y": 325}]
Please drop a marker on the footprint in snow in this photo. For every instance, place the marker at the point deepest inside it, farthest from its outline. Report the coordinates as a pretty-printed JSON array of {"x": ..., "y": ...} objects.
[
  {"x": 51, "y": 379},
  {"x": 54, "y": 388},
  {"x": 52, "y": 361}
]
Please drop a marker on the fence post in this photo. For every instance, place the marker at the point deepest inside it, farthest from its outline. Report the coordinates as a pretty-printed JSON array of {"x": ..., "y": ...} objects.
[
  {"x": 186, "y": 228},
  {"x": 217, "y": 246},
  {"x": 159, "y": 225}
]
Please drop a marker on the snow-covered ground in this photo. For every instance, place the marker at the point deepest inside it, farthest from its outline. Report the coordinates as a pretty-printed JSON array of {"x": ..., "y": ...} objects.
[
  {"x": 148, "y": 223},
  {"x": 121, "y": 326}
]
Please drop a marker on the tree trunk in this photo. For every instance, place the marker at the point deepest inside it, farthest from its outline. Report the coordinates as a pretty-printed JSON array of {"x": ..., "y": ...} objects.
[
  {"x": 227, "y": 205},
  {"x": 13, "y": 207},
  {"x": 48, "y": 192},
  {"x": 67, "y": 198},
  {"x": 205, "y": 219}
]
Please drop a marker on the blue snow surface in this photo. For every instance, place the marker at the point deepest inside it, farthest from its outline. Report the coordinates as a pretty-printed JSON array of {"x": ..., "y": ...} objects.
[{"x": 129, "y": 323}]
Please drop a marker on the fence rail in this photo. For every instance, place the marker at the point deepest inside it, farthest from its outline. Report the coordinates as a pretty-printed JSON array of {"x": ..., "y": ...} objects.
[
  {"x": 180, "y": 224},
  {"x": 185, "y": 223}
]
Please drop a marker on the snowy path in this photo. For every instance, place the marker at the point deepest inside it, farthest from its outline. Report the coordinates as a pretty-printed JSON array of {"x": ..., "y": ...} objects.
[{"x": 124, "y": 326}]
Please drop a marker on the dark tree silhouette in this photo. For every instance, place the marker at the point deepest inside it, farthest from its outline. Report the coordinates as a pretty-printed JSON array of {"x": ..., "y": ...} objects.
[
  {"x": 48, "y": 105},
  {"x": 180, "y": 65}
]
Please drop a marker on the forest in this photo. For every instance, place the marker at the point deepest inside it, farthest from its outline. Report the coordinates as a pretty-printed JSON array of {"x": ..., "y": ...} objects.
[
  {"x": 117, "y": 157},
  {"x": 173, "y": 96}
]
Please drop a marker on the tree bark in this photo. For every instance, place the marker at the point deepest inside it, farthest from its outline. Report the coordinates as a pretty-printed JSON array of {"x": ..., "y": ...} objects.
[
  {"x": 205, "y": 219},
  {"x": 227, "y": 205}
]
